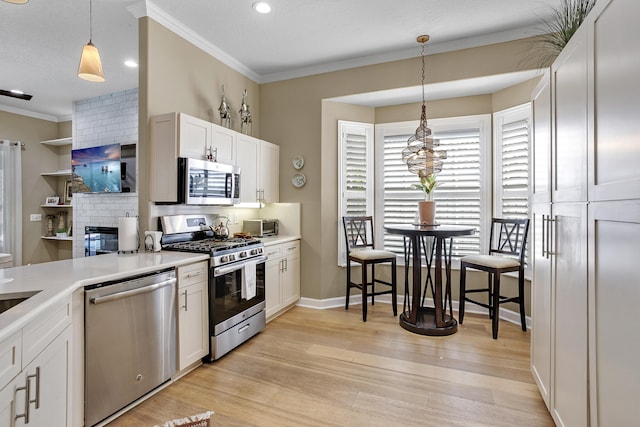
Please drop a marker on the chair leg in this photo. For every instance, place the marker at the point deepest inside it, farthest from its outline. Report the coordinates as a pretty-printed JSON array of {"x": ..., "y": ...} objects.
[
  {"x": 373, "y": 284},
  {"x": 521, "y": 299},
  {"x": 463, "y": 285},
  {"x": 490, "y": 295},
  {"x": 346, "y": 303},
  {"x": 394, "y": 288},
  {"x": 496, "y": 305},
  {"x": 364, "y": 292}
]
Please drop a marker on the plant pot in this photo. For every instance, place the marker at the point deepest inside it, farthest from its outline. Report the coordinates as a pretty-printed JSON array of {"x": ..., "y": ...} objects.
[{"x": 427, "y": 212}]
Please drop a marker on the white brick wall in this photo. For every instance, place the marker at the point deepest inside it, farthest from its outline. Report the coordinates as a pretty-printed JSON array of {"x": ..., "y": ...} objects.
[{"x": 104, "y": 120}]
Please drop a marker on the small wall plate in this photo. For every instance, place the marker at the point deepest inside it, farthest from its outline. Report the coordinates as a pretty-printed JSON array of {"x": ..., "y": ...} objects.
[
  {"x": 298, "y": 180},
  {"x": 298, "y": 162}
]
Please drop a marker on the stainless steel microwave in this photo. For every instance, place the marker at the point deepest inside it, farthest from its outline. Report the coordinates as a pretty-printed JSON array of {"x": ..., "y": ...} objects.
[{"x": 201, "y": 182}]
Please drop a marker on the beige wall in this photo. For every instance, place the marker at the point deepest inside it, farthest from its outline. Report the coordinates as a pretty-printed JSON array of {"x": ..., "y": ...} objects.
[
  {"x": 37, "y": 158},
  {"x": 178, "y": 76}
]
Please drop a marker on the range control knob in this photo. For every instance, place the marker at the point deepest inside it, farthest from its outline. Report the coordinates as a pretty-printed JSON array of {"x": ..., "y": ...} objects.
[
  {"x": 243, "y": 254},
  {"x": 224, "y": 259},
  {"x": 232, "y": 257}
]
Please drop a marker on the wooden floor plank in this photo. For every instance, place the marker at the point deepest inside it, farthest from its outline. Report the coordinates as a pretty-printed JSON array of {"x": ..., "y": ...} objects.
[{"x": 328, "y": 368}]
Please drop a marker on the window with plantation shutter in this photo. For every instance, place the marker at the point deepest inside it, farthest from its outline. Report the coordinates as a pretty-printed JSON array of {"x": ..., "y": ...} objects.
[
  {"x": 355, "y": 175},
  {"x": 511, "y": 162},
  {"x": 462, "y": 195}
]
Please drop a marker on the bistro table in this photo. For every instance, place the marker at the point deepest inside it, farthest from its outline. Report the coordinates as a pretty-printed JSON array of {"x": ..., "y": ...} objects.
[{"x": 416, "y": 317}]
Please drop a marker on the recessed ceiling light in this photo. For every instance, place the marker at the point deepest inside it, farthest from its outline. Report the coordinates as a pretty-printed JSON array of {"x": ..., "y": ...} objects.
[
  {"x": 262, "y": 7},
  {"x": 131, "y": 63},
  {"x": 17, "y": 1}
]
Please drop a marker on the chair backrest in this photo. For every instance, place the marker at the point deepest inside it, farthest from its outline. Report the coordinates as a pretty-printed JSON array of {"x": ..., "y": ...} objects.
[
  {"x": 358, "y": 232},
  {"x": 509, "y": 237}
]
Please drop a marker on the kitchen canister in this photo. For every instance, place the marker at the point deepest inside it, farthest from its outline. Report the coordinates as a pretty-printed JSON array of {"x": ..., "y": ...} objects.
[{"x": 128, "y": 240}]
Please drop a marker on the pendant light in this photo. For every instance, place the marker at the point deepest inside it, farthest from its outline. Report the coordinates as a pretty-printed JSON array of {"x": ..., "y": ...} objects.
[
  {"x": 421, "y": 154},
  {"x": 90, "y": 66}
]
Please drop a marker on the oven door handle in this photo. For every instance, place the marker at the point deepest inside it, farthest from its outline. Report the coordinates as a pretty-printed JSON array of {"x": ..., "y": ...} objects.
[
  {"x": 132, "y": 292},
  {"x": 221, "y": 271}
]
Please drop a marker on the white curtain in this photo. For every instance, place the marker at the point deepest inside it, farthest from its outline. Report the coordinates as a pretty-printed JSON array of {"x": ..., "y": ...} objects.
[{"x": 11, "y": 199}]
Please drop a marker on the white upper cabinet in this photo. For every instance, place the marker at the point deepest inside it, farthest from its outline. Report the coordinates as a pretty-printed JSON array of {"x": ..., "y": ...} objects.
[
  {"x": 259, "y": 163},
  {"x": 569, "y": 154},
  {"x": 614, "y": 100},
  {"x": 269, "y": 172},
  {"x": 247, "y": 159},
  {"x": 223, "y": 141},
  {"x": 194, "y": 137},
  {"x": 541, "y": 141},
  {"x": 176, "y": 135}
]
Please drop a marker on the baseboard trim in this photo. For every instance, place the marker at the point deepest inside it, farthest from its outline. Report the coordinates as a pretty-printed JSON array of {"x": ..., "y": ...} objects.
[{"x": 322, "y": 304}]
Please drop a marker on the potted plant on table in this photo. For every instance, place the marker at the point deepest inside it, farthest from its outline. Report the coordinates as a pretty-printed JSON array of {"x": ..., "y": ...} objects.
[{"x": 426, "y": 207}]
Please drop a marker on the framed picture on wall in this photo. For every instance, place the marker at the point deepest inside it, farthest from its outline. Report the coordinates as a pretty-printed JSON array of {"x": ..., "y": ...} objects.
[
  {"x": 52, "y": 200},
  {"x": 68, "y": 192}
]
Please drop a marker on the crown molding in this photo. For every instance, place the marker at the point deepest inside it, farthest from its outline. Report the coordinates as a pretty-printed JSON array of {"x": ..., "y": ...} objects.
[
  {"x": 434, "y": 47},
  {"x": 33, "y": 114},
  {"x": 147, "y": 8}
]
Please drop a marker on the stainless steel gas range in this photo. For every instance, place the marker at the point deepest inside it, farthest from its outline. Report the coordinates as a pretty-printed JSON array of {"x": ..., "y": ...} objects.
[{"x": 236, "y": 278}]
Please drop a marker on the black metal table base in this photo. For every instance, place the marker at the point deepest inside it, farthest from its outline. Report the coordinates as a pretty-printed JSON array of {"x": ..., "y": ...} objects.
[
  {"x": 426, "y": 323},
  {"x": 416, "y": 316}
]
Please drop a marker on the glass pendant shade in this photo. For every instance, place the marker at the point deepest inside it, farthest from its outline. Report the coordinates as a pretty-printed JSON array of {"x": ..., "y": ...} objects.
[{"x": 90, "y": 66}]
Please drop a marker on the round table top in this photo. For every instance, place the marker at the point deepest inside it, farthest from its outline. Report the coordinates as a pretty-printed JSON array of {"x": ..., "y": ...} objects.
[{"x": 442, "y": 230}]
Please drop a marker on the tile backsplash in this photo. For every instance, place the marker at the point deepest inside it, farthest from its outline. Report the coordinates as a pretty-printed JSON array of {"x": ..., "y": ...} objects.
[{"x": 103, "y": 120}]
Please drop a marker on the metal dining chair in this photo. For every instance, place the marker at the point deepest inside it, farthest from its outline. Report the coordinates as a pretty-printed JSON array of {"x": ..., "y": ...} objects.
[
  {"x": 507, "y": 244},
  {"x": 358, "y": 232}
]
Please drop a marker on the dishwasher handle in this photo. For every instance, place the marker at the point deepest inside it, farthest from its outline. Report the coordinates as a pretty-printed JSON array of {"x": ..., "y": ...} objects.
[{"x": 132, "y": 292}]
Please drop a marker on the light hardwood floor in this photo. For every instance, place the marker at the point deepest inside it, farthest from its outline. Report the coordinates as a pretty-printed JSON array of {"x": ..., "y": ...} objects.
[{"x": 328, "y": 368}]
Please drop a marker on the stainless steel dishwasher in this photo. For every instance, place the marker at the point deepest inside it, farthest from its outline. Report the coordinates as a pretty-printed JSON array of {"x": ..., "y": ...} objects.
[{"x": 130, "y": 344}]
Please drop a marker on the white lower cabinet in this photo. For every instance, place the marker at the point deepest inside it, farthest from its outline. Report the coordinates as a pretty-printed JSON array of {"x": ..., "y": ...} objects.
[
  {"x": 39, "y": 394},
  {"x": 569, "y": 347},
  {"x": 282, "y": 276},
  {"x": 193, "y": 313}
]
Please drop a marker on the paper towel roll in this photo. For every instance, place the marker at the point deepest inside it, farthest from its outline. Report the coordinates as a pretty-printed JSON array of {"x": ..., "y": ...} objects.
[{"x": 127, "y": 234}]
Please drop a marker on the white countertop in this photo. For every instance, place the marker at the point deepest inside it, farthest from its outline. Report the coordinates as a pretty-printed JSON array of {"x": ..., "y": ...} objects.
[{"x": 57, "y": 280}]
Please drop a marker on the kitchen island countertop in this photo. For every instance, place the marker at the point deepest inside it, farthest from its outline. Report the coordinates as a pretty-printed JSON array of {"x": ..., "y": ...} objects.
[{"x": 58, "y": 279}]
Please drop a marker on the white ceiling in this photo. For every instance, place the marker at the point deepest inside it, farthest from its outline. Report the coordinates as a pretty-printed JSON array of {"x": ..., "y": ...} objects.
[{"x": 42, "y": 40}]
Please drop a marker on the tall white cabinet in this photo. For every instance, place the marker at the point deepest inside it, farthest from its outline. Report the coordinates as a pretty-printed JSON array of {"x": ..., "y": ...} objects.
[{"x": 586, "y": 223}]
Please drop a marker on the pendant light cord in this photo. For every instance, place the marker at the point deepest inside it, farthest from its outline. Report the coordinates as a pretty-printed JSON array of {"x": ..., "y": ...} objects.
[
  {"x": 423, "y": 72},
  {"x": 91, "y": 29}
]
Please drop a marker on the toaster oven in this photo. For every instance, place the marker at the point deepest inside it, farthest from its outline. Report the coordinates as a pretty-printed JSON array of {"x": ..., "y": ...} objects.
[{"x": 260, "y": 227}]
